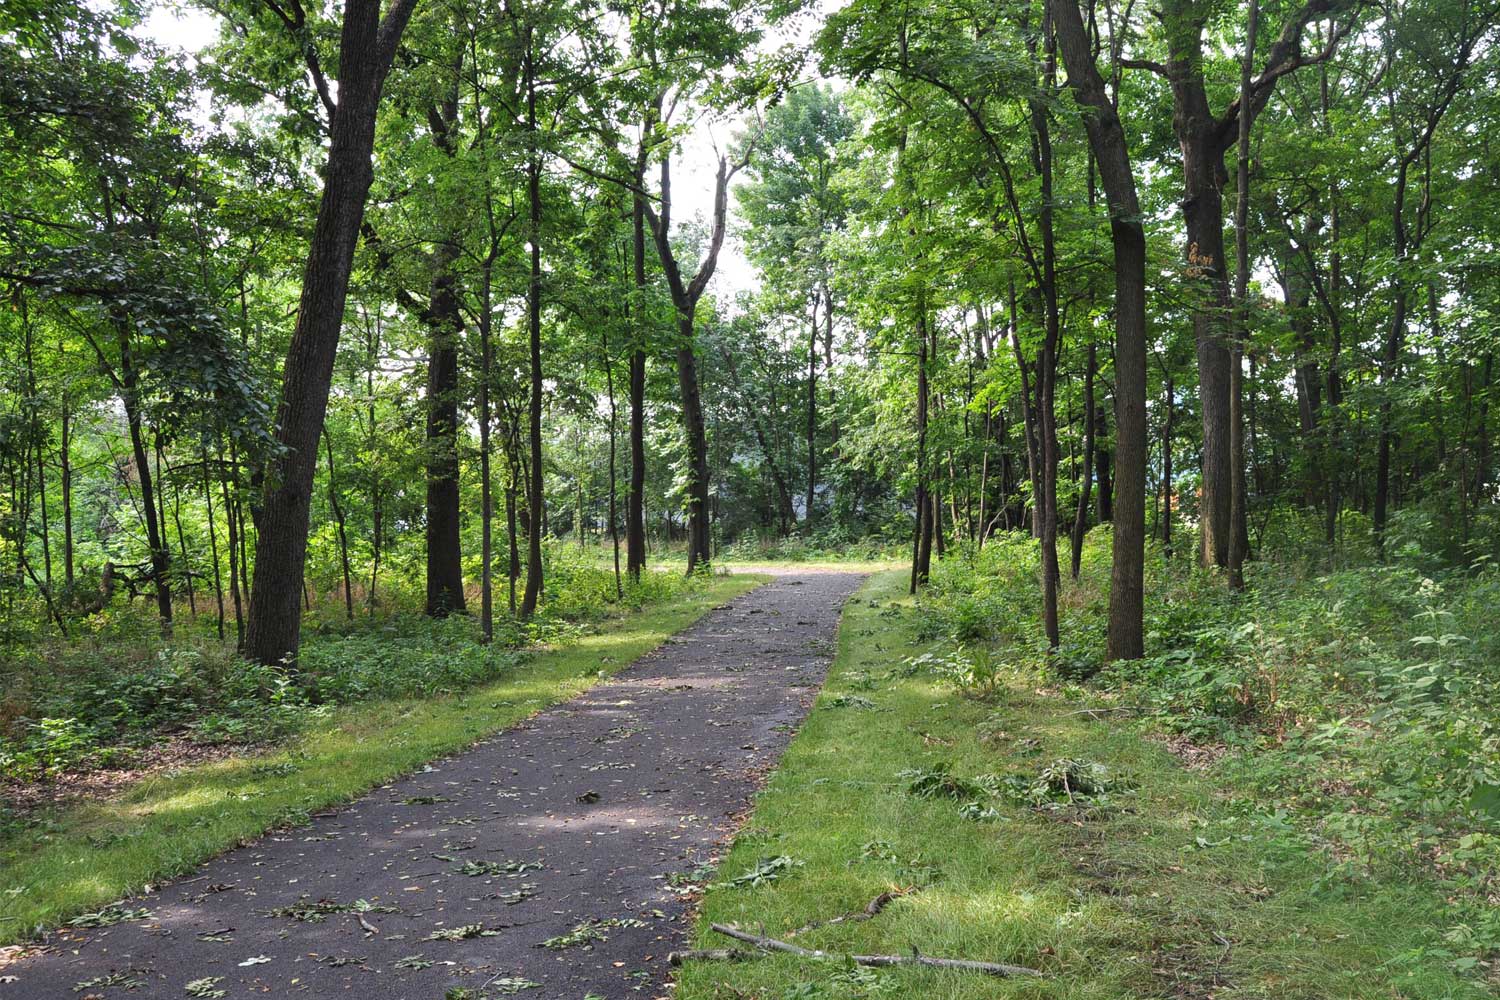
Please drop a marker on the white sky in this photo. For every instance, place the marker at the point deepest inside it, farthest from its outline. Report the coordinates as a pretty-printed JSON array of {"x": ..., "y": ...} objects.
[{"x": 191, "y": 29}]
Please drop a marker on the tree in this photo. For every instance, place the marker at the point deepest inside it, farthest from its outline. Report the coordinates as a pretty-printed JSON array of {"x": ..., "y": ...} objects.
[{"x": 367, "y": 46}]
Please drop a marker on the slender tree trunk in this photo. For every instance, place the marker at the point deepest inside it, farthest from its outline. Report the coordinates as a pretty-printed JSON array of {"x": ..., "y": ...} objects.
[
  {"x": 1238, "y": 508},
  {"x": 1080, "y": 522},
  {"x": 1391, "y": 357},
  {"x": 213, "y": 541},
  {"x": 536, "y": 500},
  {"x": 614, "y": 517},
  {"x": 486, "y": 498},
  {"x": 1107, "y": 140},
  {"x": 182, "y": 549},
  {"x": 161, "y": 556},
  {"x": 1166, "y": 471},
  {"x": 812, "y": 417},
  {"x": 921, "y": 566},
  {"x": 338, "y": 520},
  {"x": 635, "y": 494},
  {"x": 65, "y": 470},
  {"x": 1047, "y": 369},
  {"x": 233, "y": 530}
]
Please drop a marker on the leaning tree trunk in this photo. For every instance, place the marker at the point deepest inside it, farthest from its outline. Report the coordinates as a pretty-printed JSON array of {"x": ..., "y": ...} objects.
[{"x": 367, "y": 45}]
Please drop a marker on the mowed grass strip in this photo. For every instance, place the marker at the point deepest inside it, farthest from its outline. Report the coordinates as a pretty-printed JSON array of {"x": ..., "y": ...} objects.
[
  {"x": 1168, "y": 890},
  {"x": 89, "y": 854}
]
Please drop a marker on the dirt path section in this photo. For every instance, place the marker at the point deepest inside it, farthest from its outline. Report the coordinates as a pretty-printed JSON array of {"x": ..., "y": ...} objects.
[{"x": 554, "y": 860}]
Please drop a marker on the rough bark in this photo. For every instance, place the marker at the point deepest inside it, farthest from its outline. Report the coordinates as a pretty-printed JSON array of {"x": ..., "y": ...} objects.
[{"x": 367, "y": 45}]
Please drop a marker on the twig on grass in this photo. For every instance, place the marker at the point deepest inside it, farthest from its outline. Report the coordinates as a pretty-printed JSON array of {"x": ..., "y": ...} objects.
[
  {"x": 915, "y": 958},
  {"x": 872, "y": 909}
]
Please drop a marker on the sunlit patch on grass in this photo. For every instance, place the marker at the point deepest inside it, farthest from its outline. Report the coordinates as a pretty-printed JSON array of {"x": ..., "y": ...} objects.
[
  {"x": 92, "y": 853},
  {"x": 1163, "y": 893}
]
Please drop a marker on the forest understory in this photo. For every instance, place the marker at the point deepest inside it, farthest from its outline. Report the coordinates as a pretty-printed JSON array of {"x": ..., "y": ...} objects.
[{"x": 376, "y": 372}]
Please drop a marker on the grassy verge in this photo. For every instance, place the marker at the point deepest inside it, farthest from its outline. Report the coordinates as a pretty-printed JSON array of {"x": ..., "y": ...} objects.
[
  {"x": 1162, "y": 886},
  {"x": 89, "y": 854}
]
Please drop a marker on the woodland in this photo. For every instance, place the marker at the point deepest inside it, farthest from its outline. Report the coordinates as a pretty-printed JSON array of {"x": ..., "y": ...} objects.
[{"x": 1144, "y": 349}]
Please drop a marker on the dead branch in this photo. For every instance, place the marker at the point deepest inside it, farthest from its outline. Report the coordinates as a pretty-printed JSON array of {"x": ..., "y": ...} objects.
[
  {"x": 915, "y": 958},
  {"x": 872, "y": 909}
]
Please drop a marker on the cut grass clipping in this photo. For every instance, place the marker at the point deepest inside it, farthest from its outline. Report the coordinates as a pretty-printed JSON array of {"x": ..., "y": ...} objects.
[
  {"x": 1011, "y": 829},
  {"x": 91, "y": 854}
]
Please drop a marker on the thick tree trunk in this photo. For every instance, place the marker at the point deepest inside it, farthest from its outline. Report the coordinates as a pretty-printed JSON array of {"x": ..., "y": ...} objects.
[
  {"x": 445, "y": 576},
  {"x": 685, "y": 297},
  {"x": 367, "y": 46}
]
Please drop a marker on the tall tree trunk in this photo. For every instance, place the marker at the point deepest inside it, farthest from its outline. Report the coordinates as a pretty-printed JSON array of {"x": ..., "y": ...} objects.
[
  {"x": 1238, "y": 507},
  {"x": 486, "y": 497},
  {"x": 685, "y": 297},
  {"x": 161, "y": 556},
  {"x": 1107, "y": 140},
  {"x": 536, "y": 499},
  {"x": 635, "y": 494},
  {"x": 233, "y": 540},
  {"x": 1080, "y": 521},
  {"x": 921, "y": 563},
  {"x": 614, "y": 517},
  {"x": 367, "y": 46},
  {"x": 812, "y": 417},
  {"x": 697, "y": 445},
  {"x": 213, "y": 541},
  {"x": 1047, "y": 368},
  {"x": 445, "y": 576},
  {"x": 65, "y": 470}
]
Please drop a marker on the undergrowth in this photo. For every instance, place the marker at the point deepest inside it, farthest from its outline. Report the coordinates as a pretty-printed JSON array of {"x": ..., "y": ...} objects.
[
  {"x": 1357, "y": 706},
  {"x": 112, "y": 690}
]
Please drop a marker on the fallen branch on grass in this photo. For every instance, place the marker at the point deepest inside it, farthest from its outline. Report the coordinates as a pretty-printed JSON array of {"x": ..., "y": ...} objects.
[
  {"x": 1096, "y": 712},
  {"x": 915, "y": 958},
  {"x": 872, "y": 909}
]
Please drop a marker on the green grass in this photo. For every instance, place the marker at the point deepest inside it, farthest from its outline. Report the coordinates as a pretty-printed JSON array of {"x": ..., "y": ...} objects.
[
  {"x": 1169, "y": 890},
  {"x": 89, "y": 854}
]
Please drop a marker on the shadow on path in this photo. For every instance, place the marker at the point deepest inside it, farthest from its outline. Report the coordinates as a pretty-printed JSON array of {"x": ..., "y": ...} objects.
[{"x": 591, "y": 811}]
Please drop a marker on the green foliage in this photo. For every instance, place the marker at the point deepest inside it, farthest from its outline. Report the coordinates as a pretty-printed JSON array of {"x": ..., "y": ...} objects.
[
  {"x": 1354, "y": 708},
  {"x": 70, "y": 706}
]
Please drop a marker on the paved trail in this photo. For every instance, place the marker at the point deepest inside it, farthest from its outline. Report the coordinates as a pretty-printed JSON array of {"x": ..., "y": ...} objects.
[{"x": 615, "y": 795}]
